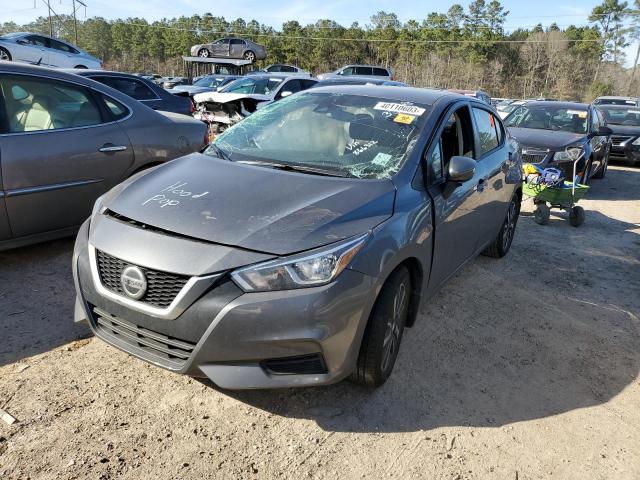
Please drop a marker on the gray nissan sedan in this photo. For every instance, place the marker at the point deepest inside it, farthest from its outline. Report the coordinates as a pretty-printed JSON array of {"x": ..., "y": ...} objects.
[{"x": 297, "y": 249}]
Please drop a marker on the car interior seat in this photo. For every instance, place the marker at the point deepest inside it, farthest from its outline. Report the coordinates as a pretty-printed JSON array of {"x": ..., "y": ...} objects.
[
  {"x": 87, "y": 115},
  {"x": 33, "y": 116}
]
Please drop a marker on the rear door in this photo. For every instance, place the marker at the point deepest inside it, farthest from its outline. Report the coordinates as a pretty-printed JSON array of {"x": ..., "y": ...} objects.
[
  {"x": 493, "y": 158},
  {"x": 237, "y": 47},
  {"x": 456, "y": 207},
  {"x": 61, "y": 148},
  {"x": 61, "y": 54},
  {"x": 221, "y": 48}
]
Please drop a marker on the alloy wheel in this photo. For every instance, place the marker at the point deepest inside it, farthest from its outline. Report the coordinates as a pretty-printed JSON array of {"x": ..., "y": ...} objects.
[
  {"x": 250, "y": 56},
  {"x": 393, "y": 331},
  {"x": 204, "y": 53},
  {"x": 510, "y": 225}
]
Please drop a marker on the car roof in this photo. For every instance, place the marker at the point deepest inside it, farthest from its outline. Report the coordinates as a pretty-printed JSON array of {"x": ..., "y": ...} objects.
[
  {"x": 617, "y": 107},
  {"x": 282, "y": 76},
  {"x": 553, "y": 103},
  {"x": 614, "y": 97},
  {"x": 424, "y": 96}
]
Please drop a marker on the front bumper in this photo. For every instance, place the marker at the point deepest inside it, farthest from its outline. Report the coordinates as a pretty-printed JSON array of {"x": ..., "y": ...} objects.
[
  {"x": 233, "y": 337},
  {"x": 629, "y": 153}
]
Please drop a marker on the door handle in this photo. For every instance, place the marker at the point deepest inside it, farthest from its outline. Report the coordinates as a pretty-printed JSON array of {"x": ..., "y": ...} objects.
[{"x": 112, "y": 148}]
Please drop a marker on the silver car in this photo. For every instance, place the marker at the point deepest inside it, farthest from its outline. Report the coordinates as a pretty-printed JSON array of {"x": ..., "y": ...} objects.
[
  {"x": 231, "y": 47},
  {"x": 65, "y": 140},
  {"x": 45, "y": 51},
  {"x": 359, "y": 70},
  {"x": 304, "y": 240}
]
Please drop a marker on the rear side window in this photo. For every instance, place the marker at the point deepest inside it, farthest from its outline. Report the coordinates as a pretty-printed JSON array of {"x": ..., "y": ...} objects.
[
  {"x": 116, "y": 109},
  {"x": 487, "y": 130},
  {"x": 363, "y": 71},
  {"x": 286, "y": 68},
  {"x": 35, "y": 104},
  {"x": 380, "y": 72},
  {"x": 237, "y": 41},
  {"x": 308, "y": 84},
  {"x": 134, "y": 88},
  {"x": 63, "y": 47}
]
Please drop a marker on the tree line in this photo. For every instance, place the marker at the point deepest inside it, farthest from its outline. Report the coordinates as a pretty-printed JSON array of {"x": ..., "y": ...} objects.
[{"x": 460, "y": 48}]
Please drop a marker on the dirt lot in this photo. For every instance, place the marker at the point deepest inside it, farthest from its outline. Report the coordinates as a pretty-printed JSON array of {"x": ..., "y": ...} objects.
[{"x": 523, "y": 368}]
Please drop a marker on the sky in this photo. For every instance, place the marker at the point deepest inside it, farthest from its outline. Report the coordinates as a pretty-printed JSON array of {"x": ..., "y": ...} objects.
[{"x": 523, "y": 13}]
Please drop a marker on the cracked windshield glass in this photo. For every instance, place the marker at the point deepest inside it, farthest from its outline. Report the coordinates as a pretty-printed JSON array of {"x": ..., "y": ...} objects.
[{"x": 333, "y": 134}]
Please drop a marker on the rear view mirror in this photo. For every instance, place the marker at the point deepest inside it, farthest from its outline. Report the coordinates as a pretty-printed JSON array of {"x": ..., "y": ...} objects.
[{"x": 461, "y": 169}]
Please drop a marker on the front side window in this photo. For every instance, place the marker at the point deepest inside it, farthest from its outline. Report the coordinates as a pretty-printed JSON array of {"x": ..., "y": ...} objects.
[
  {"x": 222, "y": 41},
  {"x": 348, "y": 71},
  {"x": 37, "y": 40},
  {"x": 548, "y": 117},
  {"x": 487, "y": 130},
  {"x": 456, "y": 139},
  {"x": 36, "y": 104},
  {"x": 349, "y": 135}
]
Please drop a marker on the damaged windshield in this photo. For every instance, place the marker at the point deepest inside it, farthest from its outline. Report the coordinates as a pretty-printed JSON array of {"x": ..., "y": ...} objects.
[{"x": 350, "y": 135}]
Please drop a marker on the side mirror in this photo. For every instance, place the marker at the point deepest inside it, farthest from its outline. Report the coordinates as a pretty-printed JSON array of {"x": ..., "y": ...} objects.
[
  {"x": 604, "y": 131},
  {"x": 461, "y": 169},
  {"x": 286, "y": 93}
]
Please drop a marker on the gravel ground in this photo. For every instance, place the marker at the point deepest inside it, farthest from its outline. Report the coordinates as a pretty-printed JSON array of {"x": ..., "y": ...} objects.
[{"x": 524, "y": 368}]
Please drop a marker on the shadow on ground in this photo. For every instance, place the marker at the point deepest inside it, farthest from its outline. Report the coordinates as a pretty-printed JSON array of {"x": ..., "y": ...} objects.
[{"x": 36, "y": 300}]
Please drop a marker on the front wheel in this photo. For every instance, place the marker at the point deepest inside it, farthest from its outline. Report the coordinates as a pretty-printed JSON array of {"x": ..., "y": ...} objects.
[
  {"x": 576, "y": 216},
  {"x": 5, "y": 55},
  {"x": 203, "y": 53},
  {"x": 586, "y": 175},
  {"x": 602, "y": 171},
  {"x": 382, "y": 336},
  {"x": 503, "y": 240},
  {"x": 249, "y": 55}
]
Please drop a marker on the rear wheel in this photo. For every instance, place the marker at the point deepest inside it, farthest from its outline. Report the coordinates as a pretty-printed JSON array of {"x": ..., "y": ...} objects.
[
  {"x": 249, "y": 55},
  {"x": 204, "y": 53},
  {"x": 5, "y": 55},
  {"x": 381, "y": 341},
  {"x": 80, "y": 66},
  {"x": 502, "y": 243}
]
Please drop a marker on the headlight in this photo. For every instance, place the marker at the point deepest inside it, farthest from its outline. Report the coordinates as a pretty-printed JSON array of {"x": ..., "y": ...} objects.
[
  {"x": 299, "y": 271},
  {"x": 570, "y": 154},
  {"x": 98, "y": 207},
  {"x": 636, "y": 141}
]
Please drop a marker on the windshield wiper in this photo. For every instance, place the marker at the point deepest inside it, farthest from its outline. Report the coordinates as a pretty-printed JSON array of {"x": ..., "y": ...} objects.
[
  {"x": 298, "y": 168},
  {"x": 220, "y": 152}
]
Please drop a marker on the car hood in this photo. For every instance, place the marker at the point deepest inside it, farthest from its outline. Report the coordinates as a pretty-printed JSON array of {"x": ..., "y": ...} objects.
[
  {"x": 252, "y": 207},
  {"x": 624, "y": 129},
  {"x": 224, "y": 97},
  {"x": 554, "y": 140}
]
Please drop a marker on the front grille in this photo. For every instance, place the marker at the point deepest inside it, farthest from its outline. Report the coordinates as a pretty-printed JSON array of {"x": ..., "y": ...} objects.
[
  {"x": 618, "y": 140},
  {"x": 302, "y": 365},
  {"x": 162, "y": 287},
  {"x": 171, "y": 351}
]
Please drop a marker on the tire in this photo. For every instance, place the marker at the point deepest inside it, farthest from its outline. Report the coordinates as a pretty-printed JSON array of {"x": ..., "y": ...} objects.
[
  {"x": 586, "y": 175},
  {"x": 502, "y": 243},
  {"x": 383, "y": 334},
  {"x": 204, "y": 53},
  {"x": 80, "y": 67},
  {"x": 602, "y": 171},
  {"x": 542, "y": 214},
  {"x": 5, "y": 55},
  {"x": 249, "y": 55},
  {"x": 576, "y": 216}
]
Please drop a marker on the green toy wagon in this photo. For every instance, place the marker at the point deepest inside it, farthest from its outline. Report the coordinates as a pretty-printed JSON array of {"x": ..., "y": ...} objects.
[{"x": 556, "y": 194}]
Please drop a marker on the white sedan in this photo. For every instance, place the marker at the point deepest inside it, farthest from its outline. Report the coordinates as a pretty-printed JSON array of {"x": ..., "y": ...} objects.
[{"x": 46, "y": 51}]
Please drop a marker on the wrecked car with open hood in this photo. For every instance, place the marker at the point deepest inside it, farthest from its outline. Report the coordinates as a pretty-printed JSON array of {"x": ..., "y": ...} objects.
[
  {"x": 296, "y": 249},
  {"x": 244, "y": 96}
]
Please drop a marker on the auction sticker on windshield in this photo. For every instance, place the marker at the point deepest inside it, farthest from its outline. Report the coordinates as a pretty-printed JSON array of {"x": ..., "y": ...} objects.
[
  {"x": 404, "y": 118},
  {"x": 399, "y": 108}
]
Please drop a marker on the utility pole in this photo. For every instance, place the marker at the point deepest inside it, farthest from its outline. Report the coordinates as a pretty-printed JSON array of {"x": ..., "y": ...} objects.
[
  {"x": 50, "y": 24},
  {"x": 75, "y": 22}
]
